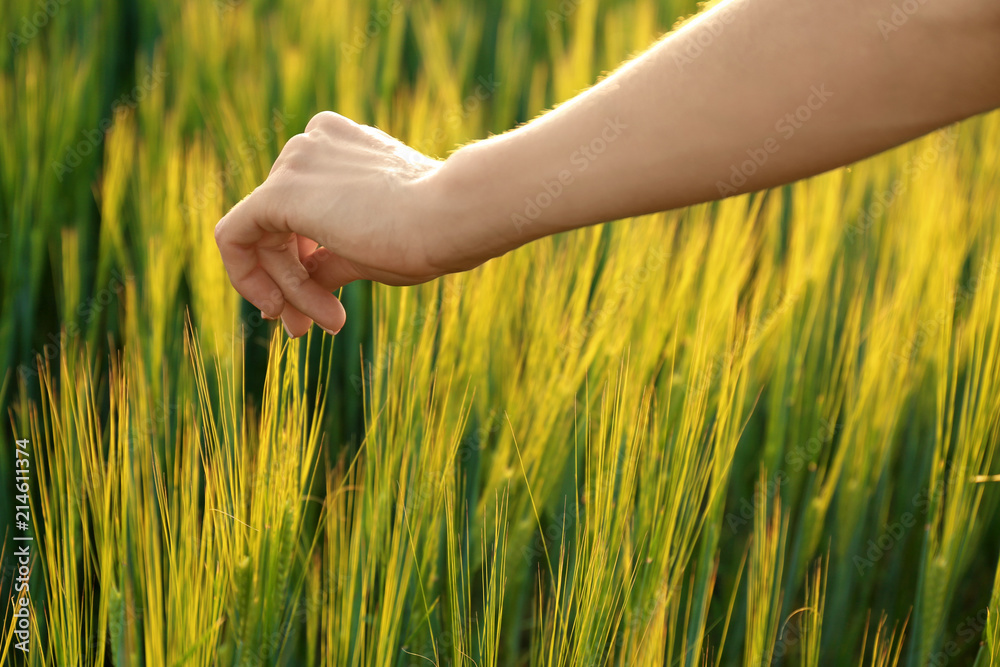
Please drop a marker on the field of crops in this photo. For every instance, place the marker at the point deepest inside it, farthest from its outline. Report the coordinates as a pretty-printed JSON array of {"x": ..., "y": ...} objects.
[{"x": 755, "y": 432}]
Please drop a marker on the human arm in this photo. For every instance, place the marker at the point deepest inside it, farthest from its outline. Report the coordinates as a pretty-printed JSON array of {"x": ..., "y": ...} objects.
[{"x": 664, "y": 131}]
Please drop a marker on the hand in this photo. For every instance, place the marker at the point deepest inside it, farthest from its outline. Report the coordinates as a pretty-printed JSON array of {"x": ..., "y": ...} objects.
[{"x": 342, "y": 202}]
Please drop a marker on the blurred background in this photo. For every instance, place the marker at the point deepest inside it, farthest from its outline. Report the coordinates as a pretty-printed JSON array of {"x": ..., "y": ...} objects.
[{"x": 760, "y": 431}]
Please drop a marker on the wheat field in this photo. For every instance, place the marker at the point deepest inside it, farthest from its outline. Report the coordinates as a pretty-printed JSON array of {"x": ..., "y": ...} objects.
[{"x": 759, "y": 431}]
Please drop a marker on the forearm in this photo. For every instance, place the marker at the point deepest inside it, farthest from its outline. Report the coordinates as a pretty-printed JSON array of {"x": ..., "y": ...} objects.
[{"x": 774, "y": 91}]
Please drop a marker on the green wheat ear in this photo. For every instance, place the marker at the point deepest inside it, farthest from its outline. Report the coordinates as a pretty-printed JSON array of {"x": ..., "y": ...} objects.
[
  {"x": 236, "y": 633},
  {"x": 286, "y": 552},
  {"x": 118, "y": 628},
  {"x": 283, "y": 559}
]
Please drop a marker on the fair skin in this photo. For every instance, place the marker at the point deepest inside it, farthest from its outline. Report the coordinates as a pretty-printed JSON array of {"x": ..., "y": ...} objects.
[{"x": 776, "y": 91}]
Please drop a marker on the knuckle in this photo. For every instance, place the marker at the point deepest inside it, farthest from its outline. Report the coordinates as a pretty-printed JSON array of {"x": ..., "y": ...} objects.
[
  {"x": 325, "y": 120},
  {"x": 296, "y": 143},
  {"x": 295, "y": 154},
  {"x": 275, "y": 198},
  {"x": 274, "y": 302},
  {"x": 295, "y": 277}
]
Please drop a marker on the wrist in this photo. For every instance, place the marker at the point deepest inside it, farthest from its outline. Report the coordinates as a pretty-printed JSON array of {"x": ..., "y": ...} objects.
[{"x": 462, "y": 213}]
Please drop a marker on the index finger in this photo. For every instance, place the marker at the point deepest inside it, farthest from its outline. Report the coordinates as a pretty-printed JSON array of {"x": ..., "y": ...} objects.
[{"x": 237, "y": 235}]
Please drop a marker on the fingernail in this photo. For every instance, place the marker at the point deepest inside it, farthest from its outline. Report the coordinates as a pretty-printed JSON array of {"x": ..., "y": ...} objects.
[
  {"x": 285, "y": 327},
  {"x": 266, "y": 316},
  {"x": 332, "y": 333}
]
